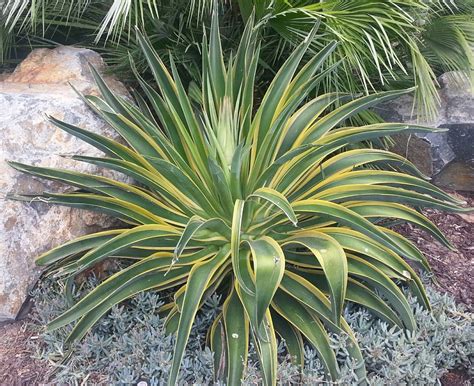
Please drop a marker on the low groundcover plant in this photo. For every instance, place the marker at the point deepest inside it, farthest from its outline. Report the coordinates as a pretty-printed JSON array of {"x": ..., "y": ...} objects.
[
  {"x": 130, "y": 344},
  {"x": 273, "y": 206}
]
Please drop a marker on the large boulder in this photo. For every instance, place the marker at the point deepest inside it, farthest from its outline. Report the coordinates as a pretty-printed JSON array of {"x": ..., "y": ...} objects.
[
  {"x": 45, "y": 68},
  {"x": 433, "y": 152},
  {"x": 37, "y": 87}
]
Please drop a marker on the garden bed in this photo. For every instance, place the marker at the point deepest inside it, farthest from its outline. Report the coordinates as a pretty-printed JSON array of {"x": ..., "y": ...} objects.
[
  {"x": 453, "y": 270},
  {"x": 17, "y": 367}
]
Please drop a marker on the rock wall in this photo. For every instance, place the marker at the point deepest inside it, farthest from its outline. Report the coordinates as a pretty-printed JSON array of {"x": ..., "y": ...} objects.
[
  {"x": 37, "y": 87},
  {"x": 434, "y": 152}
]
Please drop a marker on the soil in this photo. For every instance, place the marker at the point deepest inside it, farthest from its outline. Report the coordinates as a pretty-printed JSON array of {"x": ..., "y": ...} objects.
[
  {"x": 17, "y": 367},
  {"x": 453, "y": 269},
  {"x": 456, "y": 378}
]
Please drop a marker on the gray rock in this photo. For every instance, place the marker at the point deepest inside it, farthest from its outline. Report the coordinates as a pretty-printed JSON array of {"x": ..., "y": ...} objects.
[
  {"x": 458, "y": 175},
  {"x": 38, "y": 87},
  {"x": 429, "y": 152},
  {"x": 433, "y": 152},
  {"x": 461, "y": 140},
  {"x": 457, "y": 99}
]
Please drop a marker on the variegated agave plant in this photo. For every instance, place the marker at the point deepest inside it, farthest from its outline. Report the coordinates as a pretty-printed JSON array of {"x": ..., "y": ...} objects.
[{"x": 269, "y": 206}]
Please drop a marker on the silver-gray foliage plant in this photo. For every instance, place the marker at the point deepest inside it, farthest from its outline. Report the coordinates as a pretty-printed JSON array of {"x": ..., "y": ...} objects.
[{"x": 130, "y": 345}]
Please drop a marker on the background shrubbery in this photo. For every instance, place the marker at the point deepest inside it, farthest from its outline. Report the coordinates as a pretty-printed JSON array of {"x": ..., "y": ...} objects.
[
  {"x": 130, "y": 344},
  {"x": 384, "y": 44}
]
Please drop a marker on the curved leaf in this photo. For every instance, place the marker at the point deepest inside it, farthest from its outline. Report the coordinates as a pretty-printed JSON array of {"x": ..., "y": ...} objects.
[
  {"x": 194, "y": 225},
  {"x": 237, "y": 334},
  {"x": 293, "y": 339},
  {"x": 311, "y": 328},
  {"x": 239, "y": 260},
  {"x": 78, "y": 245},
  {"x": 269, "y": 266},
  {"x": 333, "y": 262},
  {"x": 278, "y": 200},
  {"x": 197, "y": 282}
]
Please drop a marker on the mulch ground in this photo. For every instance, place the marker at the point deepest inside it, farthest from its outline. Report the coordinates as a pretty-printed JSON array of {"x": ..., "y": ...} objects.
[
  {"x": 17, "y": 367},
  {"x": 454, "y": 271}
]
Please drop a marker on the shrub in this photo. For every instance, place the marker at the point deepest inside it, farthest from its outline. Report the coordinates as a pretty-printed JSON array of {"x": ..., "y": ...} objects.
[
  {"x": 130, "y": 344},
  {"x": 269, "y": 206},
  {"x": 383, "y": 43}
]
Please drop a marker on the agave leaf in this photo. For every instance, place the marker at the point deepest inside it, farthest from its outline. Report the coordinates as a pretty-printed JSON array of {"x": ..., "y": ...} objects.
[
  {"x": 377, "y": 209},
  {"x": 154, "y": 266},
  {"x": 271, "y": 170},
  {"x": 239, "y": 259},
  {"x": 110, "y": 187},
  {"x": 162, "y": 111},
  {"x": 376, "y": 278},
  {"x": 309, "y": 295},
  {"x": 292, "y": 337},
  {"x": 278, "y": 200},
  {"x": 222, "y": 191},
  {"x": 354, "y": 350},
  {"x": 267, "y": 351},
  {"x": 357, "y": 293},
  {"x": 310, "y": 327},
  {"x": 148, "y": 178},
  {"x": 194, "y": 225},
  {"x": 344, "y": 112},
  {"x": 269, "y": 266},
  {"x": 302, "y": 290},
  {"x": 291, "y": 174},
  {"x": 297, "y": 91},
  {"x": 216, "y": 63},
  {"x": 197, "y": 282},
  {"x": 78, "y": 245},
  {"x": 303, "y": 118},
  {"x": 304, "y": 169},
  {"x": 388, "y": 193},
  {"x": 333, "y": 261},
  {"x": 354, "y": 241},
  {"x": 122, "y": 209},
  {"x": 272, "y": 100},
  {"x": 172, "y": 321},
  {"x": 363, "y": 133},
  {"x": 237, "y": 338},
  {"x": 411, "y": 251},
  {"x": 118, "y": 113},
  {"x": 345, "y": 217},
  {"x": 132, "y": 237},
  {"x": 152, "y": 281},
  {"x": 217, "y": 342},
  {"x": 172, "y": 93},
  {"x": 107, "y": 145},
  {"x": 377, "y": 177}
]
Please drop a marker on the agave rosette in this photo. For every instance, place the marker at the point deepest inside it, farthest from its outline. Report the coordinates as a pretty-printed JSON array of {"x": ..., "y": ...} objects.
[{"x": 270, "y": 206}]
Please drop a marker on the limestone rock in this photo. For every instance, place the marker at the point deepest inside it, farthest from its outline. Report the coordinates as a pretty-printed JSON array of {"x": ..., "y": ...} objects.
[{"x": 39, "y": 86}]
